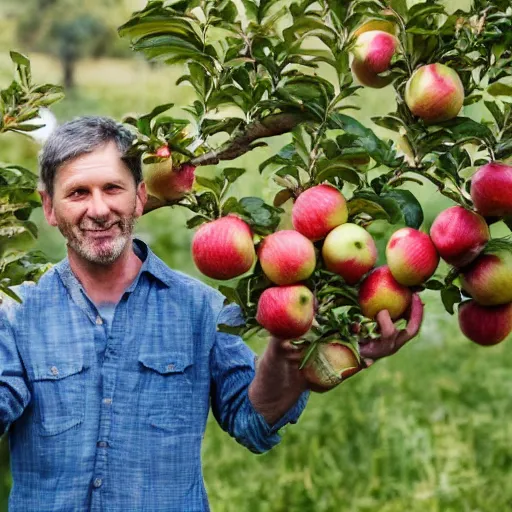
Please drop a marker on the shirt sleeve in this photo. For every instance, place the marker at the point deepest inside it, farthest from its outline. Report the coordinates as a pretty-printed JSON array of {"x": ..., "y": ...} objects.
[
  {"x": 14, "y": 393},
  {"x": 232, "y": 365}
]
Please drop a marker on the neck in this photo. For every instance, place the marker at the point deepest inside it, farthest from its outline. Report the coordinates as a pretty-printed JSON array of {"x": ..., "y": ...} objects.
[{"x": 106, "y": 283}]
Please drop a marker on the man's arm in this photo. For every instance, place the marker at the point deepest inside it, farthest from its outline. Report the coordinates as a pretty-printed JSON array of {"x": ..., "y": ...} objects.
[
  {"x": 14, "y": 394},
  {"x": 278, "y": 382}
]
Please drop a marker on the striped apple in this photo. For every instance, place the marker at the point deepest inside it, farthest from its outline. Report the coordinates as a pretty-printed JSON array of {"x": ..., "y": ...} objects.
[
  {"x": 286, "y": 312},
  {"x": 485, "y": 325},
  {"x": 372, "y": 55},
  {"x": 459, "y": 235},
  {"x": 223, "y": 249},
  {"x": 380, "y": 290},
  {"x": 488, "y": 279},
  {"x": 318, "y": 210},
  {"x": 349, "y": 251},
  {"x": 287, "y": 257},
  {"x": 491, "y": 190},
  {"x": 434, "y": 93},
  {"x": 411, "y": 256}
]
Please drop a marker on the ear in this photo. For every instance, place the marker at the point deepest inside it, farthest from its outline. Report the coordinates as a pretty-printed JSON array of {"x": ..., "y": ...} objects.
[
  {"x": 48, "y": 207},
  {"x": 141, "y": 199}
]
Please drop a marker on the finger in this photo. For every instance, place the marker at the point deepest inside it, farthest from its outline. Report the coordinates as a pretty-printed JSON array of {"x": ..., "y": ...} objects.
[
  {"x": 414, "y": 321},
  {"x": 387, "y": 328},
  {"x": 291, "y": 351}
]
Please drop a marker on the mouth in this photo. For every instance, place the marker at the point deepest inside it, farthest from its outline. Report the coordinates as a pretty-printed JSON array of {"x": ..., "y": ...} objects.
[{"x": 98, "y": 233}]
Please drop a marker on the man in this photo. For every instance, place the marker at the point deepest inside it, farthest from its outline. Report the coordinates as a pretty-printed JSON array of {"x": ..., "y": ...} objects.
[{"x": 110, "y": 365}]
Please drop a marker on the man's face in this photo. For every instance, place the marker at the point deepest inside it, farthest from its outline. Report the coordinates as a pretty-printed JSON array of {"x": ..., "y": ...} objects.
[{"x": 95, "y": 204}]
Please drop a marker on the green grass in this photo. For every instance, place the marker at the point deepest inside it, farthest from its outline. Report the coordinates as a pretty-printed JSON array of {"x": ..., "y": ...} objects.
[{"x": 427, "y": 430}]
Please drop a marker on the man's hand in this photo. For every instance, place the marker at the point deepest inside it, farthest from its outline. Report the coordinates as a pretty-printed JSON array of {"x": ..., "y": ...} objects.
[{"x": 391, "y": 339}]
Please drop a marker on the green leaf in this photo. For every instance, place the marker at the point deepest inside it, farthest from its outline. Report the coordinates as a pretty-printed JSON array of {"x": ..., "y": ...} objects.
[
  {"x": 195, "y": 221},
  {"x": 231, "y": 295},
  {"x": 500, "y": 89},
  {"x": 450, "y": 296},
  {"x": 214, "y": 185},
  {"x": 361, "y": 205},
  {"x": 463, "y": 127},
  {"x": 498, "y": 115},
  {"x": 10, "y": 294},
  {"x": 232, "y": 173},
  {"x": 20, "y": 59},
  {"x": 434, "y": 284},
  {"x": 337, "y": 170},
  {"x": 409, "y": 205}
]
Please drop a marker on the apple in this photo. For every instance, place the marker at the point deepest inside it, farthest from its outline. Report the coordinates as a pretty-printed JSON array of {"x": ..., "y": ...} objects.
[
  {"x": 488, "y": 279},
  {"x": 376, "y": 24},
  {"x": 372, "y": 55},
  {"x": 434, "y": 93},
  {"x": 318, "y": 210},
  {"x": 286, "y": 312},
  {"x": 380, "y": 290},
  {"x": 411, "y": 256},
  {"x": 349, "y": 250},
  {"x": 164, "y": 182},
  {"x": 330, "y": 363},
  {"x": 223, "y": 249},
  {"x": 485, "y": 325},
  {"x": 287, "y": 257},
  {"x": 459, "y": 235},
  {"x": 491, "y": 190}
]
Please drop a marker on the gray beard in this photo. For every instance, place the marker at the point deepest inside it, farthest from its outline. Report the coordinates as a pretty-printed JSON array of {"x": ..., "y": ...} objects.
[{"x": 100, "y": 253}]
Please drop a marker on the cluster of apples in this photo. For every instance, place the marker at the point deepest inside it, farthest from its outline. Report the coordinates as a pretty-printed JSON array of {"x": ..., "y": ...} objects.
[
  {"x": 461, "y": 236},
  {"x": 434, "y": 92}
]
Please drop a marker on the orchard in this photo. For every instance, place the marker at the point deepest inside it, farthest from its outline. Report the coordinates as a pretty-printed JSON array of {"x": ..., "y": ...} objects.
[{"x": 304, "y": 266}]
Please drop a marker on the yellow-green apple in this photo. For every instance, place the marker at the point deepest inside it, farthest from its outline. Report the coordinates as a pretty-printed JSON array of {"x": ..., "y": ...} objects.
[
  {"x": 318, "y": 210},
  {"x": 380, "y": 290},
  {"x": 349, "y": 250},
  {"x": 287, "y": 257},
  {"x": 488, "y": 279},
  {"x": 434, "y": 93},
  {"x": 485, "y": 325},
  {"x": 491, "y": 190},
  {"x": 372, "y": 55},
  {"x": 411, "y": 256},
  {"x": 331, "y": 362},
  {"x": 459, "y": 235},
  {"x": 223, "y": 248},
  {"x": 164, "y": 182},
  {"x": 286, "y": 312}
]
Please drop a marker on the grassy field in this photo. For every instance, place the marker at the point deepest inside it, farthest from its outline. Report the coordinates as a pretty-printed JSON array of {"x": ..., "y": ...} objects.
[{"x": 426, "y": 431}]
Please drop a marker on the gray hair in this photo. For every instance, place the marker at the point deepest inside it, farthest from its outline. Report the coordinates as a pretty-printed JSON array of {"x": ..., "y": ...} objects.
[{"x": 84, "y": 135}]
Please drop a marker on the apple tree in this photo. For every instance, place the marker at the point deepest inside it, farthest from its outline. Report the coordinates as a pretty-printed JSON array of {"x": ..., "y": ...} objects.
[{"x": 304, "y": 265}]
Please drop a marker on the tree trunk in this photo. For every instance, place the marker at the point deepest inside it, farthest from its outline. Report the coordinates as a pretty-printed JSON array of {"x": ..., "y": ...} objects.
[{"x": 68, "y": 65}]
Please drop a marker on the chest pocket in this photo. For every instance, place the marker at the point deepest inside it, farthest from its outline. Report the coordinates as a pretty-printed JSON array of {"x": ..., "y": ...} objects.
[
  {"x": 58, "y": 397},
  {"x": 167, "y": 383}
]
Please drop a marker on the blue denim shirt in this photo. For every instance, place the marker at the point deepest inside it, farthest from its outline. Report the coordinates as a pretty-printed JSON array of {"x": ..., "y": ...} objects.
[{"x": 113, "y": 419}]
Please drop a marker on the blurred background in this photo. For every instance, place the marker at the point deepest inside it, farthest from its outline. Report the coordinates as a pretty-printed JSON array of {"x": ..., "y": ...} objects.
[{"x": 427, "y": 430}]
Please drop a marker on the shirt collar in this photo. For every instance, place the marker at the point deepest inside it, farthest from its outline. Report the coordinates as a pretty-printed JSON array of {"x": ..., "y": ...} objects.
[{"x": 151, "y": 265}]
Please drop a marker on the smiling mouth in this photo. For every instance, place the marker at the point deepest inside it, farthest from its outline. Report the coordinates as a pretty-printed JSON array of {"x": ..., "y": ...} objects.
[{"x": 101, "y": 230}]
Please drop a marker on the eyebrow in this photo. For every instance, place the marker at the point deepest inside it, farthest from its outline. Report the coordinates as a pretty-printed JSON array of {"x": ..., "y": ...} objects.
[{"x": 74, "y": 185}]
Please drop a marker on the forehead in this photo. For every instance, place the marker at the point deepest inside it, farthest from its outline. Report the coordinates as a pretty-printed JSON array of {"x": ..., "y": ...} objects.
[{"x": 99, "y": 166}]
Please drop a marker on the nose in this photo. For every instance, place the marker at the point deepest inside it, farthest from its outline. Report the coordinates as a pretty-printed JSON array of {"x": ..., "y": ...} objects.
[{"x": 98, "y": 208}]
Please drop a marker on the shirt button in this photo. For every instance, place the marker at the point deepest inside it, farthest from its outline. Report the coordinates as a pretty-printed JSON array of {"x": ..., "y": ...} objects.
[
  {"x": 102, "y": 444},
  {"x": 107, "y": 401},
  {"x": 54, "y": 370},
  {"x": 170, "y": 366},
  {"x": 97, "y": 482},
  {"x": 99, "y": 320}
]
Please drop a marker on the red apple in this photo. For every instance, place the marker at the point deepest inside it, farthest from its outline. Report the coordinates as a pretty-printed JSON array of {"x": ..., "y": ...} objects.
[
  {"x": 380, "y": 290},
  {"x": 434, "y": 93},
  {"x": 372, "y": 55},
  {"x": 318, "y": 210},
  {"x": 286, "y": 312},
  {"x": 349, "y": 250},
  {"x": 330, "y": 363},
  {"x": 223, "y": 249},
  {"x": 164, "y": 182},
  {"x": 488, "y": 279},
  {"x": 491, "y": 190},
  {"x": 411, "y": 256},
  {"x": 287, "y": 257},
  {"x": 459, "y": 235},
  {"x": 485, "y": 325}
]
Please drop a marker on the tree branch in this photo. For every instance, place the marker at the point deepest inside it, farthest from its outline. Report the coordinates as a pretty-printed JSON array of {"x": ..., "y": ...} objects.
[{"x": 275, "y": 124}]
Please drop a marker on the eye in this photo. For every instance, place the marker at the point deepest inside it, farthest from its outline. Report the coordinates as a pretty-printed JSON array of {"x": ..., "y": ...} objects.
[{"x": 78, "y": 192}]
